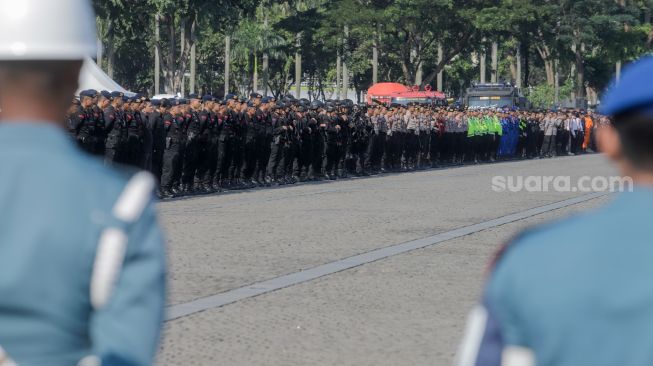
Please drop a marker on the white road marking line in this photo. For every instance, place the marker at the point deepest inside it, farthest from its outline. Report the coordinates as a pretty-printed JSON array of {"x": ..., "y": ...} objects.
[{"x": 259, "y": 288}]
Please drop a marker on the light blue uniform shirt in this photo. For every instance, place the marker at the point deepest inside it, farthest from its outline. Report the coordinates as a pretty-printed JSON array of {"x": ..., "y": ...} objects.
[
  {"x": 82, "y": 265},
  {"x": 578, "y": 292}
]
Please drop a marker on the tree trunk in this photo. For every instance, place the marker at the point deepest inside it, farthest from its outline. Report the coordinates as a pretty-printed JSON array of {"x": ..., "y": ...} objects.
[
  {"x": 111, "y": 56},
  {"x": 255, "y": 76},
  {"x": 298, "y": 67},
  {"x": 180, "y": 73},
  {"x": 98, "y": 57},
  {"x": 157, "y": 55},
  {"x": 338, "y": 73},
  {"x": 580, "y": 74},
  {"x": 482, "y": 63},
  {"x": 345, "y": 71},
  {"x": 439, "y": 84},
  {"x": 266, "y": 61},
  {"x": 375, "y": 58},
  {"x": 527, "y": 66},
  {"x": 495, "y": 56},
  {"x": 518, "y": 64},
  {"x": 227, "y": 62},
  {"x": 513, "y": 69},
  {"x": 193, "y": 56},
  {"x": 550, "y": 75},
  {"x": 556, "y": 85},
  {"x": 545, "y": 55},
  {"x": 169, "y": 73}
]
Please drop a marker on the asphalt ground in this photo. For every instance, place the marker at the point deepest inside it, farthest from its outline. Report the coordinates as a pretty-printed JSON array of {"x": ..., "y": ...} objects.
[{"x": 406, "y": 307}]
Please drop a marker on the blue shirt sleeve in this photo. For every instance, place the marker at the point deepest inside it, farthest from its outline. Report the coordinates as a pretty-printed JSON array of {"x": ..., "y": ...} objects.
[{"x": 126, "y": 331}]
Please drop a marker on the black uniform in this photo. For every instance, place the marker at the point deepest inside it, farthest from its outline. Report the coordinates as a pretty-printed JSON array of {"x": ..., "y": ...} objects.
[
  {"x": 114, "y": 124},
  {"x": 210, "y": 161},
  {"x": 134, "y": 144},
  {"x": 175, "y": 142},
  {"x": 86, "y": 130},
  {"x": 225, "y": 150},
  {"x": 196, "y": 126},
  {"x": 275, "y": 167},
  {"x": 158, "y": 124}
]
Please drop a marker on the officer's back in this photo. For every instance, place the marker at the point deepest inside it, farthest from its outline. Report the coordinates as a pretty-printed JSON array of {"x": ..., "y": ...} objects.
[
  {"x": 65, "y": 218},
  {"x": 81, "y": 255},
  {"x": 578, "y": 292}
]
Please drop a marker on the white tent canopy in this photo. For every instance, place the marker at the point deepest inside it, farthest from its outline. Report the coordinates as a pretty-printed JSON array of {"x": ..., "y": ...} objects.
[{"x": 92, "y": 77}]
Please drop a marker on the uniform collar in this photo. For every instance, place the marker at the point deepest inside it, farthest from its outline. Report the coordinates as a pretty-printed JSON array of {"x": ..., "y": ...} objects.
[{"x": 40, "y": 135}]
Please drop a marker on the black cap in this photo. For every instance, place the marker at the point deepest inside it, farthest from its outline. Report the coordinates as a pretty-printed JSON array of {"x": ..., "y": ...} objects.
[
  {"x": 91, "y": 93},
  {"x": 255, "y": 96},
  {"x": 117, "y": 94},
  {"x": 165, "y": 103},
  {"x": 194, "y": 96},
  {"x": 156, "y": 102},
  {"x": 208, "y": 98}
]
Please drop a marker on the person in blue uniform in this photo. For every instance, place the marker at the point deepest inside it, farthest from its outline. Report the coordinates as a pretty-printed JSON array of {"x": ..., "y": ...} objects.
[
  {"x": 578, "y": 292},
  {"x": 82, "y": 264}
]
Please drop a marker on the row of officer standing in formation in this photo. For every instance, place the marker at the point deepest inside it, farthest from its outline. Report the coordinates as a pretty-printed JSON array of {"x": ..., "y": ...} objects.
[{"x": 204, "y": 144}]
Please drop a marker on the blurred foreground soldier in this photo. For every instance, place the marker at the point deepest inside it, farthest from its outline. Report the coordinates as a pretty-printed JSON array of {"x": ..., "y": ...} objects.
[
  {"x": 579, "y": 292},
  {"x": 81, "y": 257}
]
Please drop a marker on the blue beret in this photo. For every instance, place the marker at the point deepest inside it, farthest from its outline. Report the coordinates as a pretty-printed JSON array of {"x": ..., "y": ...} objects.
[
  {"x": 255, "y": 95},
  {"x": 250, "y": 104},
  {"x": 116, "y": 94},
  {"x": 193, "y": 96},
  {"x": 207, "y": 98},
  {"x": 633, "y": 92},
  {"x": 265, "y": 100},
  {"x": 165, "y": 103},
  {"x": 156, "y": 102}
]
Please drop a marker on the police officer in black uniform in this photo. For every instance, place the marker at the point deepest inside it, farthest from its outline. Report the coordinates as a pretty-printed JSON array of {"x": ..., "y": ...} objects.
[
  {"x": 74, "y": 117},
  {"x": 195, "y": 129},
  {"x": 226, "y": 143},
  {"x": 159, "y": 119},
  {"x": 86, "y": 129},
  {"x": 175, "y": 142},
  {"x": 114, "y": 125},
  {"x": 360, "y": 139}
]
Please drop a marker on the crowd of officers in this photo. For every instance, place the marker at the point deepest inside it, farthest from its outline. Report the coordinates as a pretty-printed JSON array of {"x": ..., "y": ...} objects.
[{"x": 203, "y": 144}]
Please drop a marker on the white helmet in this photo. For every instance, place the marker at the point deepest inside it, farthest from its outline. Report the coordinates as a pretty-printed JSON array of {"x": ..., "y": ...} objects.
[{"x": 46, "y": 30}]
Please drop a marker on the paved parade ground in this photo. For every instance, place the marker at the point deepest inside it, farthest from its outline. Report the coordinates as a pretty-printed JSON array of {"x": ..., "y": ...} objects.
[{"x": 299, "y": 278}]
